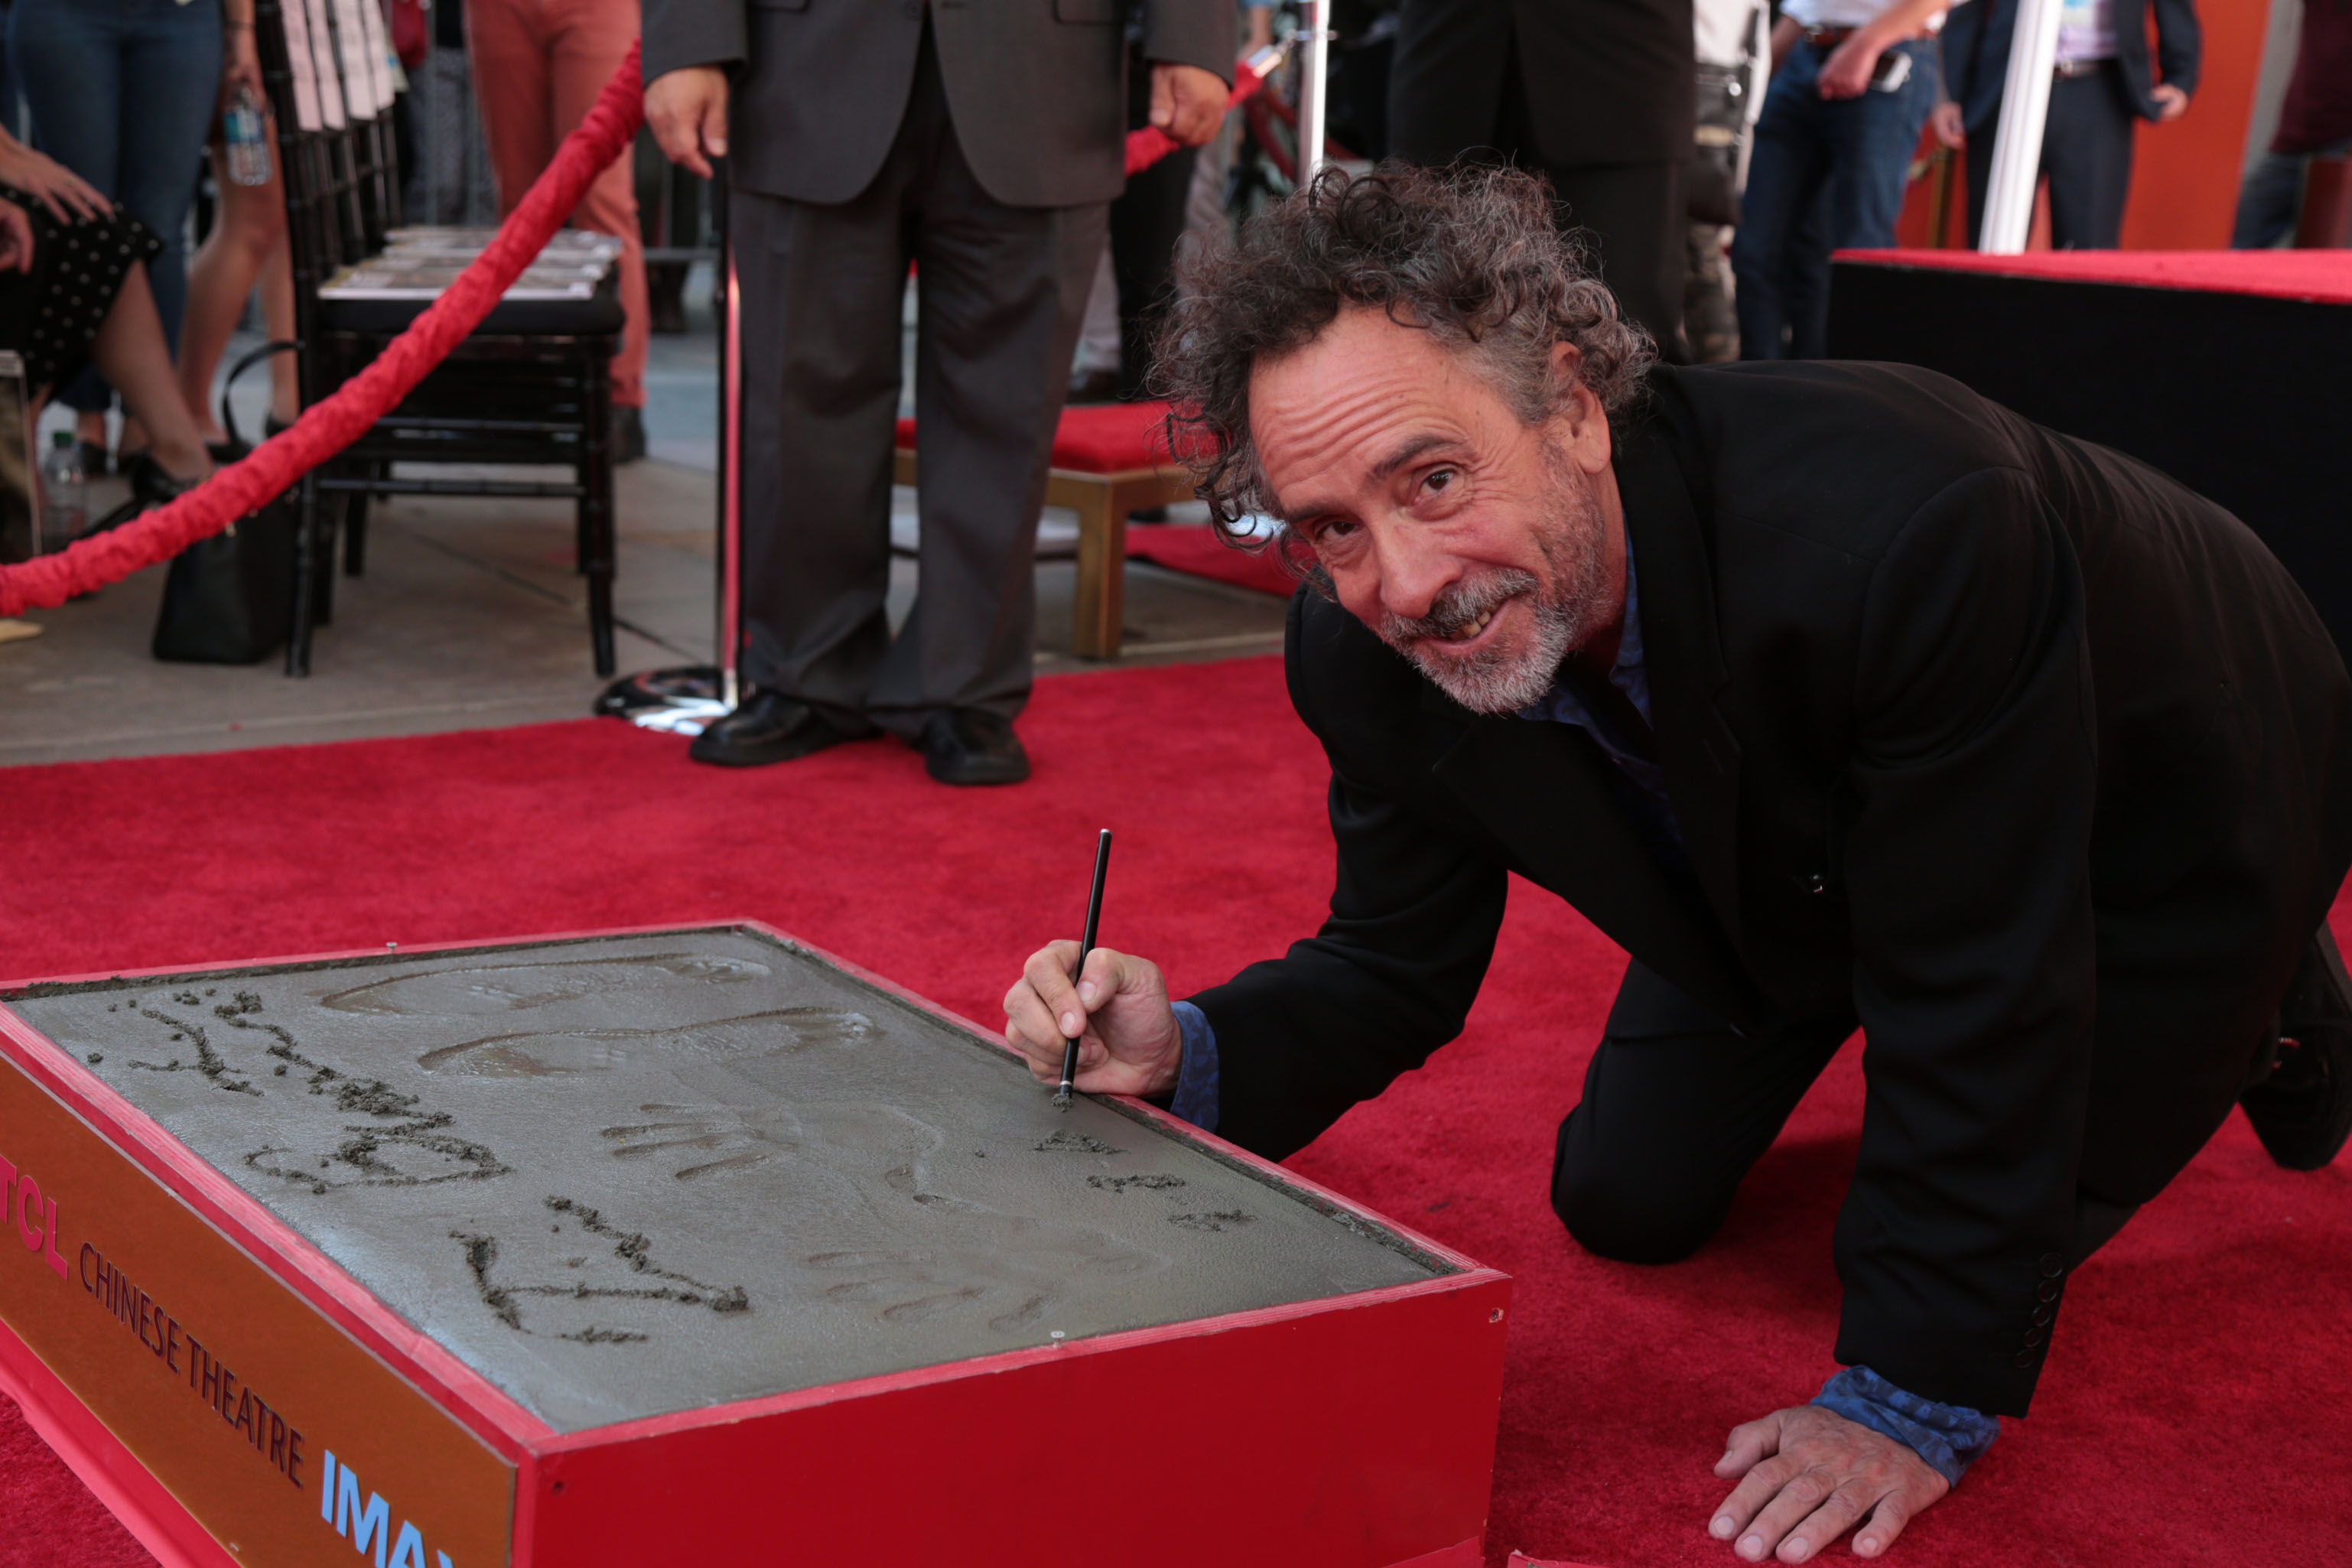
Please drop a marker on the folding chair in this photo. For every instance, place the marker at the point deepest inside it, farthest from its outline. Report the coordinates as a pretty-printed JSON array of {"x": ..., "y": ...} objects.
[{"x": 325, "y": 66}]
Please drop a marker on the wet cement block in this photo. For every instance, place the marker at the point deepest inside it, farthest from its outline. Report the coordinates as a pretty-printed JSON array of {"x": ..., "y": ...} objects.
[{"x": 624, "y": 1177}]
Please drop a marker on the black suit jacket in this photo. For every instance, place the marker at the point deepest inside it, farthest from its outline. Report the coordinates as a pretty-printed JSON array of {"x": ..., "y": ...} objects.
[
  {"x": 1038, "y": 88},
  {"x": 1608, "y": 81},
  {"x": 2031, "y": 757},
  {"x": 1976, "y": 53}
]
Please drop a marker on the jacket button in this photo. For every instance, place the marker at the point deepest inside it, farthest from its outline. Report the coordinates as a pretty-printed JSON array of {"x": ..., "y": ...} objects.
[
  {"x": 1813, "y": 883},
  {"x": 2032, "y": 1338},
  {"x": 2050, "y": 1290},
  {"x": 2024, "y": 1358},
  {"x": 2041, "y": 1316},
  {"x": 2052, "y": 1266}
]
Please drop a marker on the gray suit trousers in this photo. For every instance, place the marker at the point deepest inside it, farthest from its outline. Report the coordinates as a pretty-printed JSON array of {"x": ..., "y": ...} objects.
[{"x": 1000, "y": 292}]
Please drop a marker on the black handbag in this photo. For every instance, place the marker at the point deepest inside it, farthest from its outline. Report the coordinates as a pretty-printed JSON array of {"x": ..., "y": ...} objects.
[{"x": 229, "y": 599}]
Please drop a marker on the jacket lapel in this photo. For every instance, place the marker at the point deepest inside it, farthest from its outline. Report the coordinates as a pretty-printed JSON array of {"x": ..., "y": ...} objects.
[{"x": 1684, "y": 657}]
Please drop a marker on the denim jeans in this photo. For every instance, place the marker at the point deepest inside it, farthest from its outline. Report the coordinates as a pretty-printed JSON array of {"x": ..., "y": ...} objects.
[
  {"x": 1827, "y": 174},
  {"x": 122, "y": 92},
  {"x": 2271, "y": 200}
]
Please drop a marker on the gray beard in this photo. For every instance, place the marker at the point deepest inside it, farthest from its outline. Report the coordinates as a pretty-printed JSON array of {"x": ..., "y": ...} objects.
[{"x": 1493, "y": 681}]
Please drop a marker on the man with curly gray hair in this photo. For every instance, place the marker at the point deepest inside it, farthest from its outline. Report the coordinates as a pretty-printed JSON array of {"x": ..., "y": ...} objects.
[{"x": 1836, "y": 695}]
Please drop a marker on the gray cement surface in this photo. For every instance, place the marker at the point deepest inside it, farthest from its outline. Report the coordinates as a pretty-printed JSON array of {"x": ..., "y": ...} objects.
[
  {"x": 470, "y": 615},
  {"x": 629, "y": 1175}
]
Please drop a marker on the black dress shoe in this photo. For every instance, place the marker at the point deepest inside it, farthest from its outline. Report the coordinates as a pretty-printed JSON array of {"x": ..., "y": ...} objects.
[
  {"x": 966, "y": 746},
  {"x": 2303, "y": 1110},
  {"x": 770, "y": 728}
]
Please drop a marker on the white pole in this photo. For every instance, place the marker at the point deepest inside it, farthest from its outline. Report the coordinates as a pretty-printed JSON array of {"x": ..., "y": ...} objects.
[
  {"x": 2017, "y": 146},
  {"x": 1314, "y": 82}
]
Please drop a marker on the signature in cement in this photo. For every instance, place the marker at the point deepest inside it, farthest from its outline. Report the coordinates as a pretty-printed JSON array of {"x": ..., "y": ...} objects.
[{"x": 533, "y": 1287}]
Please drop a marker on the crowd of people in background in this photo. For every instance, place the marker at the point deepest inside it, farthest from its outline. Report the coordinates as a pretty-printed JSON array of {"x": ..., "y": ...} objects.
[{"x": 1712, "y": 153}]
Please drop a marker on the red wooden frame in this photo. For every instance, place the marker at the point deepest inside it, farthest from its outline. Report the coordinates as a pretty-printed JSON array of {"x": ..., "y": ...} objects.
[{"x": 1366, "y": 1419}]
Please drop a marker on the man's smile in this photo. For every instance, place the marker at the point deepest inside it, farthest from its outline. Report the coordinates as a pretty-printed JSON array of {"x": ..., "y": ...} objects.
[{"x": 1464, "y": 638}]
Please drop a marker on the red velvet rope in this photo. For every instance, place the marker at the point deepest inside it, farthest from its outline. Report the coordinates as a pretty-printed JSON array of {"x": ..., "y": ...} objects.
[{"x": 335, "y": 422}]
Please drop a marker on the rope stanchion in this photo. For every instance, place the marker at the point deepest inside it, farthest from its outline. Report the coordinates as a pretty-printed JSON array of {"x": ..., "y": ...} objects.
[{"x": 335, "y": 422}]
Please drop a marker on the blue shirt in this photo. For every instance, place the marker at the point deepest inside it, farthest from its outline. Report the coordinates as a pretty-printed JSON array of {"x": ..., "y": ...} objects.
[{"x": 1949, "y": 1437}]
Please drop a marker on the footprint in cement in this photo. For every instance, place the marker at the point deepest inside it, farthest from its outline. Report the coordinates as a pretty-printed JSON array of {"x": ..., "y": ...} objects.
[
  {"x": 782, "y": 1031},
  {"x": 481, "y": 990}
]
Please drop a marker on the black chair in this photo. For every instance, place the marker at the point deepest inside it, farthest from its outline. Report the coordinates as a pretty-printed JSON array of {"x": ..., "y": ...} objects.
[{"x": 532, "y": 385}]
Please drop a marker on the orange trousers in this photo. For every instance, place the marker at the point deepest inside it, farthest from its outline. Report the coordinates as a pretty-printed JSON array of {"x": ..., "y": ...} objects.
[{"x": 538, "y": 67}]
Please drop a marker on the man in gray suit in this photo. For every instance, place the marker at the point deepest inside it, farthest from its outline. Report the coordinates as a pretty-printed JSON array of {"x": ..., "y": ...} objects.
[{"x": 981, "y": 141}]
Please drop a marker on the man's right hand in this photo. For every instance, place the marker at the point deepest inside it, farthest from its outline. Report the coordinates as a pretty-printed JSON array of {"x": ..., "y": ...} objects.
[
  {"x": 687, "y": 109},
  {"x": 1950, "y": 129},
  {"x": 1131, "y": 1043}
]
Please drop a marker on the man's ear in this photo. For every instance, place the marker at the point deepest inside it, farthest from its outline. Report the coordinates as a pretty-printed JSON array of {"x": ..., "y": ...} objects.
[{"x": 1577, "y": 419}]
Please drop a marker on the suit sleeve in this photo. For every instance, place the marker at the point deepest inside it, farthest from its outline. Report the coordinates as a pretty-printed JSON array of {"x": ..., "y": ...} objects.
[
  {"x": 681, "y": 33},
  {"x": 1967, "y": 876},
  {"x": 1387, "y": 980},
  {"x": 2179, "y": 43},
  {"x": 1191, "y": 33}
]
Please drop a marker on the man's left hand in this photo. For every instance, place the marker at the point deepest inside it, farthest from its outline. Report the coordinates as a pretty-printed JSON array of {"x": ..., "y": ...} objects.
[
  {"x": 1187, "y": 102},
  {"x": 1811, "y": 1474},
  {"x": 2171, "y": 103}
]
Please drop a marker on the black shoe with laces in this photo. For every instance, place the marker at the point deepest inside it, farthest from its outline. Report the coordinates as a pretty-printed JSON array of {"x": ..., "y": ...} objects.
[
  {"x": 967, "y": 746},
  {"x": 767, "y": 727},
  {"x": 2303, "y": 1110}
]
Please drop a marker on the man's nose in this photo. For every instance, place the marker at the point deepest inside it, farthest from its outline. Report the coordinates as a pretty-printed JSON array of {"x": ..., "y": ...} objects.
[{"x": 1414, "y": 571}]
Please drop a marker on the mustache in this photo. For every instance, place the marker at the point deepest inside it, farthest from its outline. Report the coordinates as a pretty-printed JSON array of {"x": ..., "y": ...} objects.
[{"x": 1459, "y": 608}]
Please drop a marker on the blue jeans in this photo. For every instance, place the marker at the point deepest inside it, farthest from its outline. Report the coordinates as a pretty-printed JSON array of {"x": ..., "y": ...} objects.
[
  {"x": 2271, "y": 200},
  {"x": 1826, "y": 175},
  {"x": 122, "y": 92}
]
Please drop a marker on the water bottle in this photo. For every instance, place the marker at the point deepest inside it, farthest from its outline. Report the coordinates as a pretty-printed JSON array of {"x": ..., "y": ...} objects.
[
  {"x": 243, "y": 135},
  {"x": 64, "y": 496}
]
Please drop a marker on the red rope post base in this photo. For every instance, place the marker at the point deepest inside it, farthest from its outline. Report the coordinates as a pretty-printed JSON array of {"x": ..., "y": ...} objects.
[{"x": 335, "y": 422}]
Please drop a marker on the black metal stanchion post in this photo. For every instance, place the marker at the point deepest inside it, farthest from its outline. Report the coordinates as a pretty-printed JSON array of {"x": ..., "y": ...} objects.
[{"x": 684, "y": 699}]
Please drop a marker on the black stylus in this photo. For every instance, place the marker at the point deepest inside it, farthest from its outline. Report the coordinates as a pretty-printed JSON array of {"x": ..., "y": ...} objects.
[{"x": 1085, "y": 946}]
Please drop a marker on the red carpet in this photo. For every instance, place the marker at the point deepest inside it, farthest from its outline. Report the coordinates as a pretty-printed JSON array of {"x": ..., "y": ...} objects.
[{"x": 2194, "y": 1408}]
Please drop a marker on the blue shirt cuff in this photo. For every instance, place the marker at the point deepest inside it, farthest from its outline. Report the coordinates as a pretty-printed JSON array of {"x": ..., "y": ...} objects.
[
  {"x": 1196, "y": 1078},
  {"x": 1950, "y": 1437}
]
